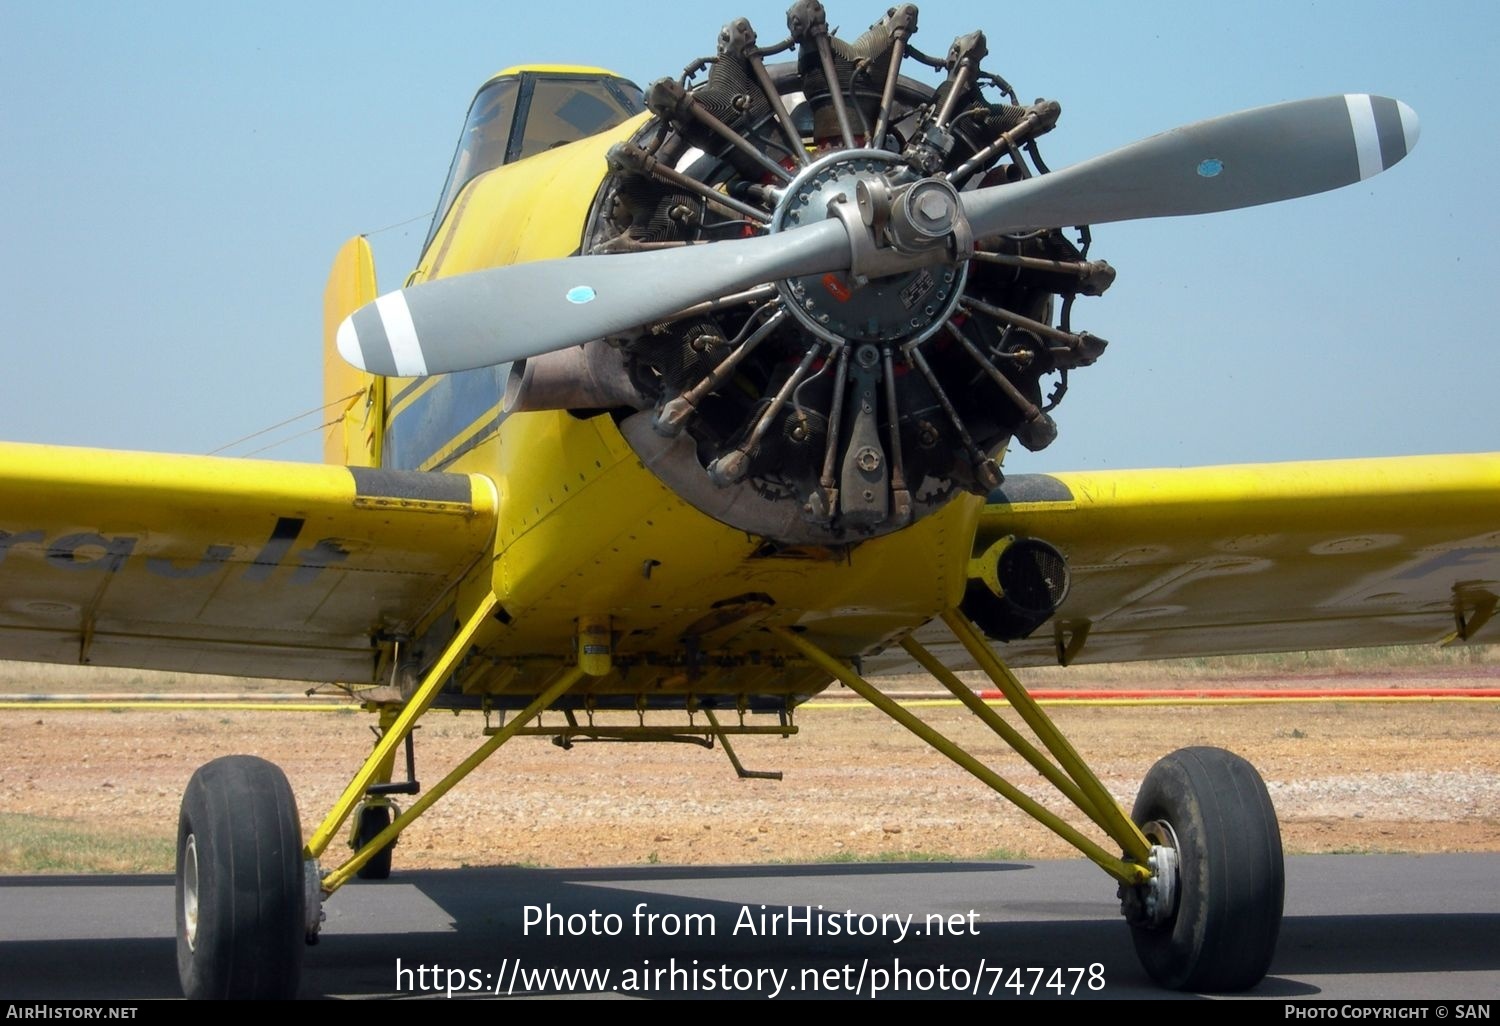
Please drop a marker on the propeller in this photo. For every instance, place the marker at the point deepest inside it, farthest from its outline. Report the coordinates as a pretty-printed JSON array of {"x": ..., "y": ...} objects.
[
  {"x": 1239, "y": 160},
  {"x": 510, "y": 313}
]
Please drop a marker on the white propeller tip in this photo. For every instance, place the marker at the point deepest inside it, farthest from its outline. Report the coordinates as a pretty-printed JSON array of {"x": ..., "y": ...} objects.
[
  {"x": 1385, "y": 130},
  {"x": 347, "y": 340},
  {"x": 1411, "y": 126}
]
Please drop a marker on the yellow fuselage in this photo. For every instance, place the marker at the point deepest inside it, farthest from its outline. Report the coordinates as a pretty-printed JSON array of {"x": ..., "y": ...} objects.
[{"x": 586, "y": 531}]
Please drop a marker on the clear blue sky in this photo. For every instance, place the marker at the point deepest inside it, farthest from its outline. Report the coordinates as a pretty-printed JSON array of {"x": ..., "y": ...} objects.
[{"x": 175, "y": 178}]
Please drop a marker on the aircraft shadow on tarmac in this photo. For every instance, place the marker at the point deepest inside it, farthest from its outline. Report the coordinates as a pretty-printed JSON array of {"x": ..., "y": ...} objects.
[{"x": 473, "y": 919}]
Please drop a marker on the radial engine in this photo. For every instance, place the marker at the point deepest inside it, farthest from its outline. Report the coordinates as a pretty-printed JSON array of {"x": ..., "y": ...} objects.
[{"x": 832, "y": 408}]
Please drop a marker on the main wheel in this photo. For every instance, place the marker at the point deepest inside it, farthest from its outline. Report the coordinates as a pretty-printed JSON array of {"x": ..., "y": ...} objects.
[
  {"x": 240, "y": 921},
  {"x": 372, "y": 820},
  {"x": 1217, "y": 930}
]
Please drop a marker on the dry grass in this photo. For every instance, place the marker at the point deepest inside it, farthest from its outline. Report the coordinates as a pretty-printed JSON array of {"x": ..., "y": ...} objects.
[
  {"x": 18, "y": 678},
  {"x": 47, "y": 679},
  {"x": 1388, "y": 660},
  {"x": 42, "y": 844},
  {"x": 89, "y": 792}
]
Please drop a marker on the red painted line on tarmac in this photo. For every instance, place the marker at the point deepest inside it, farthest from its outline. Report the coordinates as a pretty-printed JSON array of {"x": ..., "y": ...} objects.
[{"x": 1053, "y": 695}]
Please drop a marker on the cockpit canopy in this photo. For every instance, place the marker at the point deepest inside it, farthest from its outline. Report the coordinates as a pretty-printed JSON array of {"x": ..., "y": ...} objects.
[{"x": 525, "y": 110}]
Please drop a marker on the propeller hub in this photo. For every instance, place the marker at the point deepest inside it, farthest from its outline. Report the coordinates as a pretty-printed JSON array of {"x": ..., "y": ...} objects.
[{"x": 902, "y": 308}]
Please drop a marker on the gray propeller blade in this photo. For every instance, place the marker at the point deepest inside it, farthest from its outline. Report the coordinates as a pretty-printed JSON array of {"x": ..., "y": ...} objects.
[
  {"x": 1238, "y": 160},
  {"x": 510, "y": 313}
]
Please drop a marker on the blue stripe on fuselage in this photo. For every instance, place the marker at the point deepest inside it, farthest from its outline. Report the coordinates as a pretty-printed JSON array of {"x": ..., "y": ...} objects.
[{"x": 435, "y": 418}]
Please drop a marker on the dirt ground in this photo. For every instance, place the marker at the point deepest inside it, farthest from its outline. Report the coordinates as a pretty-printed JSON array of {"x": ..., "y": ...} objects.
[{"x": 1345, "y": 776}]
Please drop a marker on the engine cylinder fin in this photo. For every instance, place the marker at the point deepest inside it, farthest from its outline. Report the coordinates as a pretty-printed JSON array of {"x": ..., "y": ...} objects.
[
  {"x": 832, "y": 407},
  {"x": 1007, "y": 127},
  {"x": 730, "y": 94},
  {"x": 672, "y": 415},
  {"x": 827, "y": 66},
  {"x": 900, "y": 24},
  {"x": 669, "y": 100},
  {"x": 963, "y": 61},
  {"x": 737, "y": 42},
  {"x": 835, "y": 88},
  {"x": 735, "y": 464},
  {"x": 626, "y": 156}
]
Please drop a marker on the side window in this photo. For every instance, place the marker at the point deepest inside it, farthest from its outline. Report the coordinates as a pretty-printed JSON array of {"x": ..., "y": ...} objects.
[{"x": 483, "y": 144}]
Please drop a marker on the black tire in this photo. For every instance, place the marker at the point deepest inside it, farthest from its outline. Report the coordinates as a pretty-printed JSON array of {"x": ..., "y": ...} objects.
[
  {"x": 1231, "y": 879},
  {"x": 372, "y": 820},
  {"x": 240, "y": 922}
]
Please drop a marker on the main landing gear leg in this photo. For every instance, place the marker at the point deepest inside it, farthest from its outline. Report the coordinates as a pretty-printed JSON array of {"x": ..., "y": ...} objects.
[
  {"x": 1201, "y": 874},
  {"x": 249, "y": 895},
  {"x": 336, "y": 878},
  {"x": 1210, "y": 810},
  {"x": 373, "y": 814},
  {"x": 240, "y": 882}
]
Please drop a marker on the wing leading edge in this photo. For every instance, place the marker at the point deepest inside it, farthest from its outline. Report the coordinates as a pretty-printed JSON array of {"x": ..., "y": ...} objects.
[
  {"x": 1258, "y": 558},
  {"x": 230, "y": 566}
]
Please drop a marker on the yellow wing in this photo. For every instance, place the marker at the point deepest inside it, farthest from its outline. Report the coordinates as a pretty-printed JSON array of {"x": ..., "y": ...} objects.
[
  {"x": 225, "y": 566},
  {"x": 1258, "y": 558}
]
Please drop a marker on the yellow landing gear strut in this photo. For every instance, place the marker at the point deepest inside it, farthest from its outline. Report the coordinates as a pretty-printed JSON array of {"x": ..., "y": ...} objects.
[
  {"x": 594, "y": 660},
  {"x": 1201, "y": 877},
  {"x": 1068, "y": 773},
  {"x": 248, "y": 893}
]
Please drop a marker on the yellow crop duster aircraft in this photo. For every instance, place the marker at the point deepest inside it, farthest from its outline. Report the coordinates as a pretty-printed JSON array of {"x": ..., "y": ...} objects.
[{"x": 696, "y": 402}]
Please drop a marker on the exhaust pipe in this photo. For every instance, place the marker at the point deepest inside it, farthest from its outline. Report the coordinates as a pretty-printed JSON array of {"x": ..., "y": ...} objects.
[{"x": 587, "y": 377}]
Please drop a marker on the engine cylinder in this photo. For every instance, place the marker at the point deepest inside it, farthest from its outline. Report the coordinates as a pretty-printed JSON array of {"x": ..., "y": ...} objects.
[{"x": 827, "y": 409}]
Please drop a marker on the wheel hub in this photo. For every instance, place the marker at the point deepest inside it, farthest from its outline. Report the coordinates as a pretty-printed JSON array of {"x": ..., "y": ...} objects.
[
  {"x": 1153, "y": 904},
  {"x": 902, "y": 308},
  {"x": 312, "y": 900},
  {"x": 190, "y": 892}
]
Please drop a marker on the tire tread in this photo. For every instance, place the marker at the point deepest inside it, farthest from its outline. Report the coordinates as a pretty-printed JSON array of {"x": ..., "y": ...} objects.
[{"x": 1232, "y": 876}]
